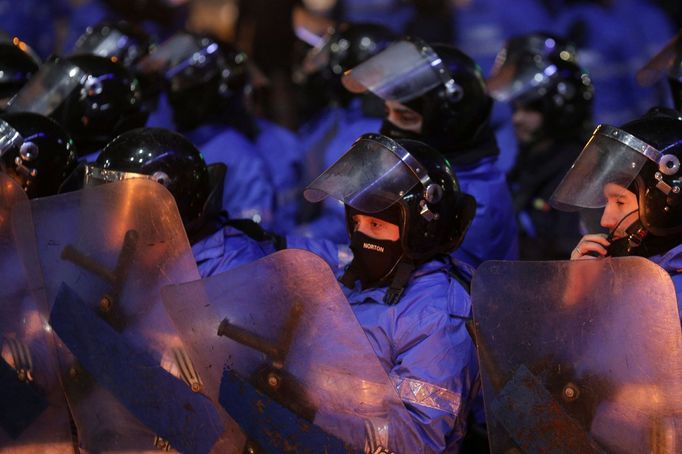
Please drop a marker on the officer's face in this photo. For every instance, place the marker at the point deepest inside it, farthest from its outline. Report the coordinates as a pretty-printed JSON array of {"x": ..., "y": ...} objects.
[
  {"x": 403, "y": 117},
  {"x": 527, "y": 124},
  {"x": 621, "y": 205},
  {"x": 376, "y": 228}
]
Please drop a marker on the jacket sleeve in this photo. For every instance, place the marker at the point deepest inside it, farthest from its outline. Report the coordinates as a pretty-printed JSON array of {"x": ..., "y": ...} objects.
[{"x": 436, "y": 376}]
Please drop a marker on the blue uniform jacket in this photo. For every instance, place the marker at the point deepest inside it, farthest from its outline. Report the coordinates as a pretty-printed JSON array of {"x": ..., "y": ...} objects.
[
  {"x": 421, "y": 342},
  {"x": 493, "y": 233},
  {"x": 424, "y": 347},
  {"x": 248, "y": 193},
  {"x": 225, "y": 249},
  {"x": 281, "y": 151}
]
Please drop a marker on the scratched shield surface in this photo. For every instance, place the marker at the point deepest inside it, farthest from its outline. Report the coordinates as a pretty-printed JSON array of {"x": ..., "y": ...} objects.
[
  {"x": 579, "y": 356},
  {"x": 33, "y": 413},
  {"x": 105, "y": 252},
  {"x": 278, "y": 334}
]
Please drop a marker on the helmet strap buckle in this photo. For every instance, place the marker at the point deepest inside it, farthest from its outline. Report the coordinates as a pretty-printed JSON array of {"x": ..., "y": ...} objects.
[
  {"x": 426, "y": 212},
  {"x": 662, "y": 186},
  {"x": 398, "y": 283}
]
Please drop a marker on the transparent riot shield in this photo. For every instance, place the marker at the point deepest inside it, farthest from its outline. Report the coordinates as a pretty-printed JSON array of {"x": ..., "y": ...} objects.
[
  {"x": 279, "y": 346},
  {"x": 105, "y": 252},
  {"x": 33, "y": 413},
  {"x": 579, "y": 356}
]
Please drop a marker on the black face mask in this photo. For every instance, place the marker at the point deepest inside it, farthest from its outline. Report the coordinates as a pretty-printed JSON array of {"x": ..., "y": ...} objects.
[
  {"x": 373, "y": 260},
  {"x": 397, "y": 133}
]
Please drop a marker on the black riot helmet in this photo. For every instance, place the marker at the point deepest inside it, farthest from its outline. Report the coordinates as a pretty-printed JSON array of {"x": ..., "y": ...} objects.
[
  {"x": 161, "y": 155},
  {"x": 206, "y": 80},
  {"x": 93, "y": 98},
  {"x": 539, "y": 72},
  {"x": 17, "y": 66},
  {"x": 441, "y": 83},
  {"x": 36, "y": 152},
  {"x": 126, "y": 43},
  {"x": 379, "y": 175},
  {"x": 534, "y": 46},
  {"x": 120, "y": 41},
  {"x": 341, "y": 50},
  {"x": 644, "y": 156}
]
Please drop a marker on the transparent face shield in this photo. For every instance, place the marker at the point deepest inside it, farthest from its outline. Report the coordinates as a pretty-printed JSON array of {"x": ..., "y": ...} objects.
[
  {"x": 318, "y": 57},
  {"x": 611, "y": 156},
  {"x": 48, "y": 88},
  {"x": 176, "y": 55},
  {"x": 9, "y": 138},
  {"x": 114, "y": 44},
  {"x": 514, "y": 78},
  {"x": 371, "y": 176},
  {"x": 401, "y": 72},
  {"x": 95, "y": 176}
]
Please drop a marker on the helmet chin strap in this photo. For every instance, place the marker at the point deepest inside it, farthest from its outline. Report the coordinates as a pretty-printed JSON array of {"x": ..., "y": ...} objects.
[
  {"x": 634, "y": 235},
  {"x": 615, "y": 229}
]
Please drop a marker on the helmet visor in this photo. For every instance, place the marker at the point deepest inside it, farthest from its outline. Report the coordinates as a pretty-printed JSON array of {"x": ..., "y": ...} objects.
[
  {"x": 318, "y": 57},
  {"x": 114, "y": 44},
  {"x": 402, "y": 72},
  {"x": 512, "y": 79},
  {"x": 9, "y": 138},
  {"x": 48, "y": 88},
  {"x": 95, "y": 176},
  {"x": 177, "y": 59},
  {"x": 372, "y": 175},
  {"x": 610, "y": 156}
]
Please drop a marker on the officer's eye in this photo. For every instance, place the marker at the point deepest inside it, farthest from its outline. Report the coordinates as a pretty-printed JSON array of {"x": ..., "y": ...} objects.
[{"x": 408, "y": 117}]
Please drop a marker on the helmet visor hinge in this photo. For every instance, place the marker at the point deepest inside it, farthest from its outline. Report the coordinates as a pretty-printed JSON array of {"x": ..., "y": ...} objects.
[
  {"x": 662, "y": 186},
  {"x": 426, "y": 212}
]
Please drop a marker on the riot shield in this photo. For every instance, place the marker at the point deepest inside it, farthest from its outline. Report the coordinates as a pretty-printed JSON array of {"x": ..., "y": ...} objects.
[
  {"x": 33, "y": 413},
  {"x": 105, "y": 252},
  {"x": 279, "y": 346},
  {"x": 579, "y": 356}
]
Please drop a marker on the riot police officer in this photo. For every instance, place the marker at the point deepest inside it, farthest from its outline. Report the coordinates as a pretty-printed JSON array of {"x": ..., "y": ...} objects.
[
  {"x": 93, "y": 98},
  {"x": 405, "y": 214},
  {"x": 551, "y": 98},
  {"x": 633, "y": 173},
  {"x": 172, "y": 160},
  {"x": 437, "y": 94},
  {"x": 341, "y": 118},
  {"x": 205, "y": 82}
]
